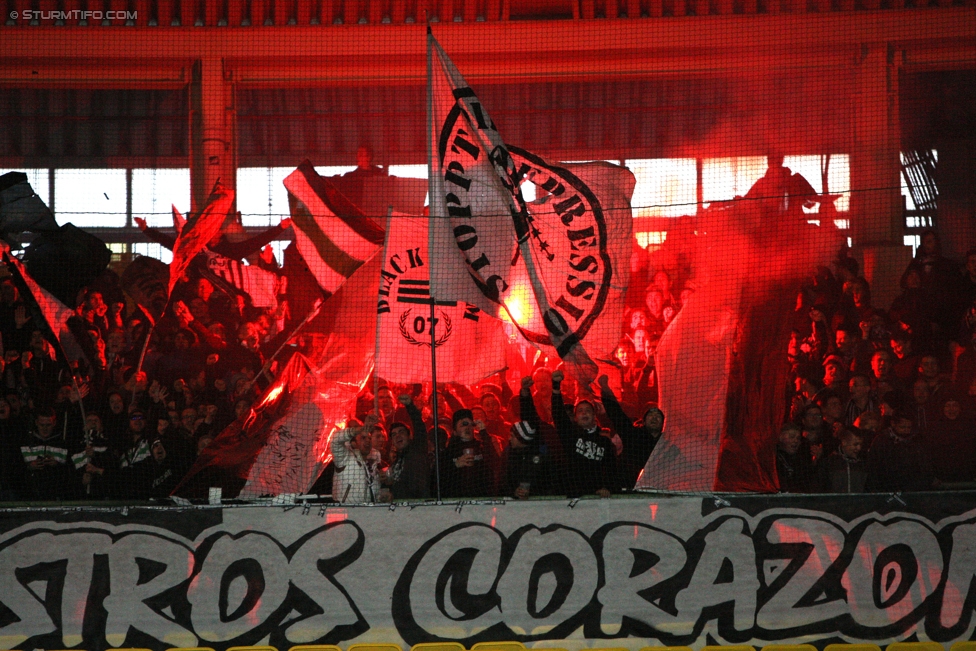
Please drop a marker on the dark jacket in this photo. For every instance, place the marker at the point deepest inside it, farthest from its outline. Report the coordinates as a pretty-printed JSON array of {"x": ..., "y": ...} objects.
[
  {"x": 591, "y": 463},
  {"x": 638, "y": 442},
  {"x": 841, "y": 474},
  {"x": 531, "y": 465},
  {"x": 477, "y": 480},
  {"x": 410, "y": 472},
  {"x": 898, "y": 464}
]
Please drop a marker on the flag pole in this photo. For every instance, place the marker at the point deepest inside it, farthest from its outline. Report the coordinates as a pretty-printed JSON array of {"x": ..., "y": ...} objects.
[
  {"x": 431, "y": 255},
  {"x": 433, "y": 395},
  {"x": 376, "y": 349}
]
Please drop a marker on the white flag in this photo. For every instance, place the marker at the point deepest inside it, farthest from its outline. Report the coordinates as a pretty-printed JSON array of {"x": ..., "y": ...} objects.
[
  {"x": 468, "y": 344},
  {"x": 559, "y": 268}
]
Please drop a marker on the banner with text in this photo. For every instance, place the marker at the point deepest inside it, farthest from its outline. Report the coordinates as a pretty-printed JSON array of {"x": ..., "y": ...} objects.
[{"x": 669, "y": 571}]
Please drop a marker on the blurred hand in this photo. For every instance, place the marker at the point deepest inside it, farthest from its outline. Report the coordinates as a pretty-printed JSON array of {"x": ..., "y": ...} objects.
[
  {"x": 140, "y": 222},
  {"x": 558, "y": 376},
  {"x": 604, "y": 382},
  {"x": 527, "y": 382},
  {"x": 286, "y": 222},
  {"x": 405, "y": 399}
]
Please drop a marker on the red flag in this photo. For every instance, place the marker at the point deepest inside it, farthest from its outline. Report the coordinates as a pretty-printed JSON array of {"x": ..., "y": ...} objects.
[{"x": 198, "y": 231}]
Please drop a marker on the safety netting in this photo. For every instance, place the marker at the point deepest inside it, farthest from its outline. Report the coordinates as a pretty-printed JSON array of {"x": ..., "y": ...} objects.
[{"x": 383, "y": 252}]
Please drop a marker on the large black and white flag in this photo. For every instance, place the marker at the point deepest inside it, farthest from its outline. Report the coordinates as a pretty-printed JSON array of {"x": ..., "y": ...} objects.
[{"x": 558, "y": 266}]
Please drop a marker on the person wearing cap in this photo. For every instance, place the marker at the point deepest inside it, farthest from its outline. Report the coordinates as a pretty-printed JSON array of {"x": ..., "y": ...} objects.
[
  {"x": 526, "y": 466},
  {"x": 835, "y": 377},
  {"x": 591, "y": 466},
  {"x": 639, "y": 438},
  {"x": 469, "y": 462},
  {"x": 127, "y": 478}
]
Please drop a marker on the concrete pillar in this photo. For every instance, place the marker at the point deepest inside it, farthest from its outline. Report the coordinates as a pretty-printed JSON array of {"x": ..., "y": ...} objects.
[
  {"x": 212, "y": 127},
  {"x": 877, "y": 219}
]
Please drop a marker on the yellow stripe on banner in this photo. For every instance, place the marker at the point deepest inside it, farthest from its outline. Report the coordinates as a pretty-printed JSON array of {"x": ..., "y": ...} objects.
[
  {"x": 190, "y": 648},
  {"x": 915, "y": 646},
  {"x": 792, "y": 647},
  {"x": 315, "y": 647},
  {"x": 668, "y": 648},
  {"x": 728, "y": 647},
  {"x": 252, "y": 648},
  {"x": 438, "y": 646},
  {"x": 498, "y": 646},
  {"x": 374, "y": 647},
  {"x": 852, "y": 647},
  {"x": 965, "y": 645}
]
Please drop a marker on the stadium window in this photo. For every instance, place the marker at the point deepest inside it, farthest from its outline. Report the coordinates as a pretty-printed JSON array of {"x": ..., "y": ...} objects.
[
  {"x": 90, "y": 198},
  {"x": 417, "y": 172},
  {"x": 153, "y": 250},
  {"x": 666, "y": 187},
  {"x": 723, "y": 179},
  {"x": 651, "y": 240},
  {"x": 156, "y": 191}
]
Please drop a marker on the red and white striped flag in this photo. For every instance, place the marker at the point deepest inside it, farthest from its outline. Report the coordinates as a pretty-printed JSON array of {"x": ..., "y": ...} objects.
[{"x": 334, "y": 237}]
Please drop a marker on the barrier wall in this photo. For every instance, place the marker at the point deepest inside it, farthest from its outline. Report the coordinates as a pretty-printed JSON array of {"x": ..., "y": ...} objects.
[{"x": 622, "y": 572}]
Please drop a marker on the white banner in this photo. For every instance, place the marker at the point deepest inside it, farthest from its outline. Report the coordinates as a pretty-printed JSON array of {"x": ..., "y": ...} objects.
[{"x": 601, "y": 573}]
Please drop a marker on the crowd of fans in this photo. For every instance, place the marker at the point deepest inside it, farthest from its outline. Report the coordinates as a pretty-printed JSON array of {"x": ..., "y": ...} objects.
[{"x": 883, "y": 401}]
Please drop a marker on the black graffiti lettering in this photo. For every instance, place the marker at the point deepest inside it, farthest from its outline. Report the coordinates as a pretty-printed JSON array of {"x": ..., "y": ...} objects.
[
  {"x": 312, "y": 569},
  {"x": 251, "y": 566},
  {"x": 415, "y": 259},
  {"x": 725, "y": 574},
  {"x": 638, "y": 561},
  {"x": 563, "y": 303},
  {"x": 466, "y": 145},
  {"x": 383, "y": 307},
  {"x": 466, "y": 236},
  {"x": 587, "y": 264},
  {"x": 960, "y": 583},
  {"x": 459, "y": 211},
  {"x": 911, "y": 545},
  {"x": 584, "y": 288},
  {"x": 562, "y": 555},
  {"x": 16, "y": 559},
  {"x": 453, "y": 175},
  {"x": 812, "y": 547},
  {"x": 127, "y": 604}
]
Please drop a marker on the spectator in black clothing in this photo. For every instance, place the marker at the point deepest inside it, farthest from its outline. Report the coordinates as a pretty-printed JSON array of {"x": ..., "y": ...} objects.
[
  {"x": 591, "y": 464},
  {"x": 527, "y": 467},
  {"x": 794, "y": 466},
  {"x": 639, "y": 438},
  {"x": 45, "y": 451},
  {"x": 898, "y": 460},
  {"x": 952, "y": 439},
  {"x": 409, "y": 475},
  {"x": 470, "y": 463},
  {"x": 844, "y": 471},
  {"x": 11, "y": 460}
]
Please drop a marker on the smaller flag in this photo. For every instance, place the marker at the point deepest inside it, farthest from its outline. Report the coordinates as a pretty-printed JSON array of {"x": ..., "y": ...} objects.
[
  {"x": 54, "y": 311},
  {"x": 334, "y": 237},
  {"x": 198, "y": 231}
]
